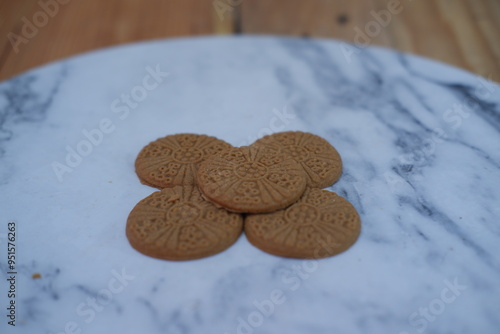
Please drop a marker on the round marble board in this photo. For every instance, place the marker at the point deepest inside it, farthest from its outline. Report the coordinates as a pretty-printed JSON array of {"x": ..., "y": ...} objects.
[{"x": 420, "y": 142}]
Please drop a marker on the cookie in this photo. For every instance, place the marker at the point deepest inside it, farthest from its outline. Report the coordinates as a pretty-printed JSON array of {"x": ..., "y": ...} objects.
[
  {"x": 320, "y": 224},
  {"x": 178, "y": 224},
  {"x": 173, "y": 160},
  {"x": 251, "y": 179},
  {"x": 320, "y": 160}
]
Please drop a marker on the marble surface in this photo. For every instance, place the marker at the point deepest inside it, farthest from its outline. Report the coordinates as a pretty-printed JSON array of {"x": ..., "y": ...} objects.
[{"x": 420, "y": 143}]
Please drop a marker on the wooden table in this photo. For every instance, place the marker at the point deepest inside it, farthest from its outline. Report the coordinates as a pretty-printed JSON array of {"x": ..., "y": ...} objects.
[{"x": 464, "y": 33}]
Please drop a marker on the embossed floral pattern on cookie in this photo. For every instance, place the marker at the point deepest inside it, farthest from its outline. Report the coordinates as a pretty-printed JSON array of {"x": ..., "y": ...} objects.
[
  {"x": 319, "y": 225},
  {"x": 173, "y": 160},
  {"x": 320, "y": 160},
  {"x": 178, "y": 224},
  {"x": 251, "y": 179}
]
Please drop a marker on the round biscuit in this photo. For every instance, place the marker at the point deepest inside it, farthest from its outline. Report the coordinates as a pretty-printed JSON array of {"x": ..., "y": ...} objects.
[
  {"x": 251, "y": 179},
  {"x": 178, "y": 224},
  {"x": 319, "y": 225},
  {"x": 173, "y": 160},
  {"x": 319, "y": 159}
]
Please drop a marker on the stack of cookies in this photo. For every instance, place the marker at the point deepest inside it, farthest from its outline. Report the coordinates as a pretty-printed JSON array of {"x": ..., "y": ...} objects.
[{"x": 211, "y": 192}]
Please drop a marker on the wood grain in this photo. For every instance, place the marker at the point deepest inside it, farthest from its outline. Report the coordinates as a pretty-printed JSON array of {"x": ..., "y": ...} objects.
[
  {"x": 462, "y": 33},
  {"x": 80, "y": 26}
]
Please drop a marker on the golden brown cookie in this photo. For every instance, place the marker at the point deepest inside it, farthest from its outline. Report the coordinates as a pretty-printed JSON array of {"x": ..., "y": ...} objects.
[
  {"x": 320, "y": 160},
  {"x": 320, "y": 224},
  {"x": 251, "y": 179},
  {"x": 178, "y": 224},
  {"x": 173, "y": 160}
]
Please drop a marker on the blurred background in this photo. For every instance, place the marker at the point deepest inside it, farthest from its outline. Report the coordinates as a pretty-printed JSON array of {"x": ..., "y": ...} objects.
[{"x": 463, "y": 33}]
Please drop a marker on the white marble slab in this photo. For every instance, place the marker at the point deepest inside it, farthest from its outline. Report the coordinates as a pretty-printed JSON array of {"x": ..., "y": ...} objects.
[{"x": 420, "y": 143}]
